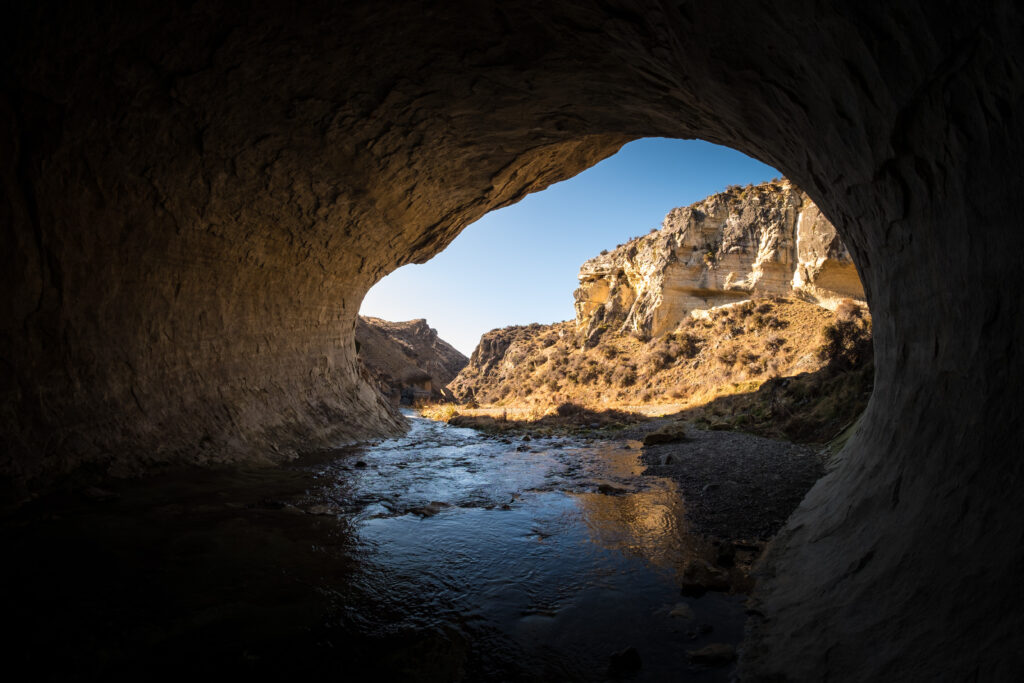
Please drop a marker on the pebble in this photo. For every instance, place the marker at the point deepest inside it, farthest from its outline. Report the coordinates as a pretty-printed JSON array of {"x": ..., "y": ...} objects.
[
  {"x": 700, "y": 577},
  {"x": 682, "y": 611}
]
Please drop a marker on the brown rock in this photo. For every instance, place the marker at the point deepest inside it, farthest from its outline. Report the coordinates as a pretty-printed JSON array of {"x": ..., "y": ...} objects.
[
  {"x": 670, "y": 433},
  {"x": 700, "y": 576},
  {"x": 407, "y": 359}
]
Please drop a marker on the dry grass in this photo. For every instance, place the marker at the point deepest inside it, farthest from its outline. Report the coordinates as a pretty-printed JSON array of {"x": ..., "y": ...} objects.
[
  {"x": 442, "y": 412},
  {"x": 730, "y": 353}
]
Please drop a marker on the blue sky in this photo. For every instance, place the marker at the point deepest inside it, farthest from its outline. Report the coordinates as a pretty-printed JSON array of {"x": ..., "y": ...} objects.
[{"x": 518, "y": 265}]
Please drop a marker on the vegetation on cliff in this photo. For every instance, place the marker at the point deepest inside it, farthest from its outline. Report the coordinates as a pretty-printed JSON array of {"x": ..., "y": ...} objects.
[{"x": 774, "y": 366}]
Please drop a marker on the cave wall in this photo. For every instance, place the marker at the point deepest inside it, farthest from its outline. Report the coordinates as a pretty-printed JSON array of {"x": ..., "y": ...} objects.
[{"x": 197, "y": 198}]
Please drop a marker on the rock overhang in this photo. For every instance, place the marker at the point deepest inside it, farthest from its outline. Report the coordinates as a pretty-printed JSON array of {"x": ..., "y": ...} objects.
[{"x": 197, "y": 200}]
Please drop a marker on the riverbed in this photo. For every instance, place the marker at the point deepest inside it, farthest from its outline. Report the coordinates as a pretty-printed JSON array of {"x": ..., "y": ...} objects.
[{"x": 443, "y": 555}]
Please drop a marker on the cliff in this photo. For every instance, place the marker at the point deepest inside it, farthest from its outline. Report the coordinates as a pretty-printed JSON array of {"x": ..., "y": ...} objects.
[
  {"x": 732, "y": 350},
  {"x": 768, "y": 239},
  {"x": 407, "y": 359}
]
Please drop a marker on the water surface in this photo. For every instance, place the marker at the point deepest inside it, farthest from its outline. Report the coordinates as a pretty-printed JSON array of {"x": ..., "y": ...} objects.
[{"x": 442, "y": 555}]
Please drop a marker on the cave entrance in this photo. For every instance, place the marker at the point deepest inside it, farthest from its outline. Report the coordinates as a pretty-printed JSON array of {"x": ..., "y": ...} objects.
[
  {"x": 198, "y": 200},
  {"x": 703, "y": 282}
]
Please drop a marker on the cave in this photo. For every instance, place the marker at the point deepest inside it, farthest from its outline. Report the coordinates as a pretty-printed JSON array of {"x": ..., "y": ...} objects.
[{"x": 198, "y": 197}]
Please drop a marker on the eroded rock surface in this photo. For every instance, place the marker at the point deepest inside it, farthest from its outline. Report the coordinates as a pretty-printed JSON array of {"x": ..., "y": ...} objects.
[
  {"x": 197, "y": 198},
  {"x": 407, "y": 359},
  {"x": 768, "y": 239}
]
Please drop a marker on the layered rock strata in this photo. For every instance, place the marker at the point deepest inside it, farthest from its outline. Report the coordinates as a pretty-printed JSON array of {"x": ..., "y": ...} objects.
[
  {"x": 754, "y": 241},
  {"x": 407, "y": 359},
  {"x": 197, "y": 197}
]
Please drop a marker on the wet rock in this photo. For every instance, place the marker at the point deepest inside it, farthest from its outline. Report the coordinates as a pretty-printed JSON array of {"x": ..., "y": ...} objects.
[
  {"x": 360, "y": 463},
  {"x": 624, "y": 663},
  {"x": 700, "y": 576},
  {"x": 671, "y": 433},
  {"x": 609, "y": 490},
  {"x": 715, "y": 654},
  {"x": 682, "y": 611},
  {"x": 430, "y": 509}
]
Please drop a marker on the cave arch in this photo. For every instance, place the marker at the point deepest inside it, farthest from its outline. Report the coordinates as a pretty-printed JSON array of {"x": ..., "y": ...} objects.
[{"x": 196, "y": 199}]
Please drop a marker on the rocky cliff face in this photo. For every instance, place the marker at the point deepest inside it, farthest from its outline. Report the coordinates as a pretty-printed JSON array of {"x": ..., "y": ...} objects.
[
  {"x": 197, "y": 197},
  {"x": 488, "y": 376},
  {"x": 768, "y": 239},
  {"x": 407, "y": 359}
]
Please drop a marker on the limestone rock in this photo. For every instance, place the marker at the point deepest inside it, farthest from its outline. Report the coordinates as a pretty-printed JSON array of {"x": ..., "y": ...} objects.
[
  {"x": 407, "y": 359},
  {"x": 768, "y": 239}
]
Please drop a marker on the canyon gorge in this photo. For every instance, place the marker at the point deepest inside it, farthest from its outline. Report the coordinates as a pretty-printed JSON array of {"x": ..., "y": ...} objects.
[{"x": 197, "y": 198}]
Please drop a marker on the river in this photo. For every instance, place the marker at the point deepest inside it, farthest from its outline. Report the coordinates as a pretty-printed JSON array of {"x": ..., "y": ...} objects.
[{"x": 446, "y": 554}]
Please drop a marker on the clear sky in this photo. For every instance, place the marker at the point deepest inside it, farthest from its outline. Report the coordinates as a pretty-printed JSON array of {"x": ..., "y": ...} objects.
[{"x": 518, "y": 265}]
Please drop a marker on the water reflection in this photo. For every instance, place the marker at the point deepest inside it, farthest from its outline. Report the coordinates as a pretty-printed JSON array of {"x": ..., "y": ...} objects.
[{"x": 443, "y": 555}]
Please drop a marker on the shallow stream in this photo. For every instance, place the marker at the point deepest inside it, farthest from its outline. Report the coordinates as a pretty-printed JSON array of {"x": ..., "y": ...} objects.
[{"x": 443, "y": 555}]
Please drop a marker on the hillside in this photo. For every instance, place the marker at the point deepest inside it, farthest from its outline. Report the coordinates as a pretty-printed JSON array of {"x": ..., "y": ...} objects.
[
  {"x": 407, "y": 359},
  {"x": 747, "y": 287}
]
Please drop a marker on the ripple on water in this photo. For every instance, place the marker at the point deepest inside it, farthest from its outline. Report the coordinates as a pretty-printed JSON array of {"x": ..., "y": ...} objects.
[{"x": 449, "y": 556}]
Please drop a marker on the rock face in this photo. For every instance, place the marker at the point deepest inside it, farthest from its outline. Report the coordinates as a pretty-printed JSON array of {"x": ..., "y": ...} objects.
[
  {"x": 197, "y": 197},
  {"x": 407, "y": 359},
  {"x": 753, "y": 241},
  {"x": 496, "y": 356}
]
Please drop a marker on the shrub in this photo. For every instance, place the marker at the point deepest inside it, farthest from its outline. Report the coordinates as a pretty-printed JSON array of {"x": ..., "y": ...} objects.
[
  {"x": 727, "y": 356},
  {"x": 689, "y": 345},
  {"x": 658, "y": 359},
  {"x": 846, "y": 344},
  {"x": 624, "y": 376},
  {"x": 848, "y": 310},
  {"x": 443, "y": 412},
  {"x": 569, "y": 409}
]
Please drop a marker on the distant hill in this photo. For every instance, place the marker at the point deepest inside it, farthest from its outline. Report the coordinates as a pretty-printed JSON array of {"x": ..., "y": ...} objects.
[{"x": 407, "y": 359}]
